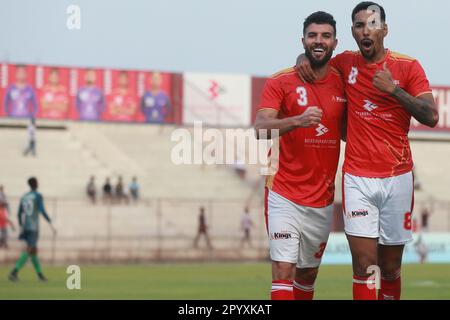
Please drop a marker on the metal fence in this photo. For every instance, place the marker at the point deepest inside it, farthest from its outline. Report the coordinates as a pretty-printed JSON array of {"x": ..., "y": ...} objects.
[{"x": 160, "y": 229}]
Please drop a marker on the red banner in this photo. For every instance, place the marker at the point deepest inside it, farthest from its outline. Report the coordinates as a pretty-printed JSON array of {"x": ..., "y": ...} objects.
[
  {"x": 85, "y": 94},
  {"x": 442, "y": 97},
  {"x": 18, "y": 90},
  {"x": 52, "y": 86},
  {"x": 155, "y": 103},
  {"x": 88, "y": 102}
]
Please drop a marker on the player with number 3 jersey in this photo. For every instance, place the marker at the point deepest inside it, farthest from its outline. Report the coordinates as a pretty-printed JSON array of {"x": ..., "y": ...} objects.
[{"x": 299, "y": 196}]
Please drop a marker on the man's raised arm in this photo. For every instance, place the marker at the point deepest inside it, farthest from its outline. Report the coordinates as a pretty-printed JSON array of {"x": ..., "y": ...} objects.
[{"x": 267, "y": 120}]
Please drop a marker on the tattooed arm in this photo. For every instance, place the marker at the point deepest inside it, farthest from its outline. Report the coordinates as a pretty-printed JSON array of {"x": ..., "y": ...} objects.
[{"x": 422, "y": 108}]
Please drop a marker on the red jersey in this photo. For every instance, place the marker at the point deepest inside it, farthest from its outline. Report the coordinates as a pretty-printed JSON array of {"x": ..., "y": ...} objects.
[
  {"x": 54, "y": 102},
  {"x": 3, "y": 218},
  {"x": 378, "y": 125},
  {"x": 121, "y": 106},
  {"x": 308, "y": 157}
]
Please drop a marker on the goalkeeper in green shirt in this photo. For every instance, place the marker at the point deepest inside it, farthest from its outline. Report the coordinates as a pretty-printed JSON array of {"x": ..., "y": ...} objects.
[{"x": 31, "y": 205}]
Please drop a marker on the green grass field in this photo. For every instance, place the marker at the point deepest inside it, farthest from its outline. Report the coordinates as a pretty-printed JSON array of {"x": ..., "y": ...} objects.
[{"x": 205, "y": 281}]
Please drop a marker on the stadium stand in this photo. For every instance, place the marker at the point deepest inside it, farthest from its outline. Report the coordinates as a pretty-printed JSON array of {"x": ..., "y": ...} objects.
[{"x": 163, "y": 223}]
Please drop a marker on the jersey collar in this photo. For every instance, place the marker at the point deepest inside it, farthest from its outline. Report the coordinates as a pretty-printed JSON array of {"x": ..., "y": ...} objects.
[{"x": 375, "y": 65}]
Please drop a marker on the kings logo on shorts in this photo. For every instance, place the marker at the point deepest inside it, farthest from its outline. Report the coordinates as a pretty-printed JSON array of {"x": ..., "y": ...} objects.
[
  {"x": 283, "y": 235},
  {"x": 357, "y": 213}
]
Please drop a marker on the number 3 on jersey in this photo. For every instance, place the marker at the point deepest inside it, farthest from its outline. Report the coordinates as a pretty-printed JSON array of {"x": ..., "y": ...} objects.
[{"x": 303, "y": 97}]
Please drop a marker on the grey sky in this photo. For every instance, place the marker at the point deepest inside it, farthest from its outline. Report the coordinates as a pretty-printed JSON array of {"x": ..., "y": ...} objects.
[{"x": 232, "y": 36}]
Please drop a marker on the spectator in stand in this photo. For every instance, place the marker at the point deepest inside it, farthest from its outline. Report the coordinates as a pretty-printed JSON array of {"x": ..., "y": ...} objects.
[
  {"x": 134, "y": 189},
  {"x": 119, "y": 192},
  {"x": 91, "y": 190},
  {"x": 246, "y": 226},
  {"x": 202, "y": 229},
  {"x": 107, "y": 191},
  {"x": 425, "y": 215}
]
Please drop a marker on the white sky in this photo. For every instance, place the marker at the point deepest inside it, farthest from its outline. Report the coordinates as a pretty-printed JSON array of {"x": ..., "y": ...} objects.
[{"x": 257, "y": 37}]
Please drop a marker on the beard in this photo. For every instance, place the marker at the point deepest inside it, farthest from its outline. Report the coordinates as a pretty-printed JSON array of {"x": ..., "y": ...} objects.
[
  {"x": 318, "y": 63},
  {"x": 367, "y": 55}
]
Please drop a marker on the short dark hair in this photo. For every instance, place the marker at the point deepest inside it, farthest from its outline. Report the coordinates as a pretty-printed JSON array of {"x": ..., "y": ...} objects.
[
  {"x": 32, "y": 182},
  {"x": 319, "y": 17},
  {"x": 364, "y": 6}
]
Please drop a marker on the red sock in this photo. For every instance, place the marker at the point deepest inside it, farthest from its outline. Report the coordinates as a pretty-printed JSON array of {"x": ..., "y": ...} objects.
[
  {"x": 282, "y": 290},
  {"x": 364, "y": 288},
  {"x": 303, "y": 291},
  {"x": 390, "y": 289}
]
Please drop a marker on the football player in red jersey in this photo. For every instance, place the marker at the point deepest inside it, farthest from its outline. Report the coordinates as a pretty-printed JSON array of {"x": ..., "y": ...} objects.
[
  {"x": 384, "y": 89},
  {"x": 299, "y": 197}
]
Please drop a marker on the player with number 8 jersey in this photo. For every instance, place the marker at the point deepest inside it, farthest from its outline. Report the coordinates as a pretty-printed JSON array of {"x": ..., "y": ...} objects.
[{"x": 384, "y": 90}]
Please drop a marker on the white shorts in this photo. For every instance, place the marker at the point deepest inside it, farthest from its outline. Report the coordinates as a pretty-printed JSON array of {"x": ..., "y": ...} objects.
[
  {"x": 297, "y": 234},
  {"x": 379, "y": 207}
]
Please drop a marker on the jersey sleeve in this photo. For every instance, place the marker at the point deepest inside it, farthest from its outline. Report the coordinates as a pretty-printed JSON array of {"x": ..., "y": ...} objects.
[
  {"x": 41, "y": 208},
  {"x": 417, "y": 82},
  {"x": 19, "y": 213},
  {"x": 272, "y": 96}
]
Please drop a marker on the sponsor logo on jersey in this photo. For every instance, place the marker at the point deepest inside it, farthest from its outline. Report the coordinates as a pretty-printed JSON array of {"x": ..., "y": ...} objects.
[
  {"x": 280, "y": 236},
  {"x": 369, "y": 106},
  {"x": 321, "y": 130},
  {"x": 338, "y": 99}
]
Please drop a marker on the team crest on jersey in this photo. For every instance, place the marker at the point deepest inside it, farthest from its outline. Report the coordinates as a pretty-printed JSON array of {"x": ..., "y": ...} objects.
[
  {"x": 321, "y": 130},
  {"x": 352, "y": 77}
]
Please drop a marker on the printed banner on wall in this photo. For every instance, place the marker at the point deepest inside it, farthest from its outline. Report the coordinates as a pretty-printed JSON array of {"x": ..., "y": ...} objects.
[
  {"x": 217, "y": 99},
  {"x": 3, "y": 86},
  {"x": 257, "y": 89},
  {"x": 88, "y": 103},
  {"x": 121, "y": 96},
  {"x": 52, "y": 84},
  {"x": 442, "y": 98},
  {"x": 89, "y": 94},
  {"x": 19, "y": 95},
  {"x": 154, "y": 97}
]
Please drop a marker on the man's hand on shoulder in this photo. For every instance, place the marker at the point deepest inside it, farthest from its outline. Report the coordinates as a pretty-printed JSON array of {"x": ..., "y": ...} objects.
[{"x": 304, "y": 70}]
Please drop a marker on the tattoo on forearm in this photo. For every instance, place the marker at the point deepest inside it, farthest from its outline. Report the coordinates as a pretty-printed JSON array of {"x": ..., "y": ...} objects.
[{"x": 421, "y": 110}]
